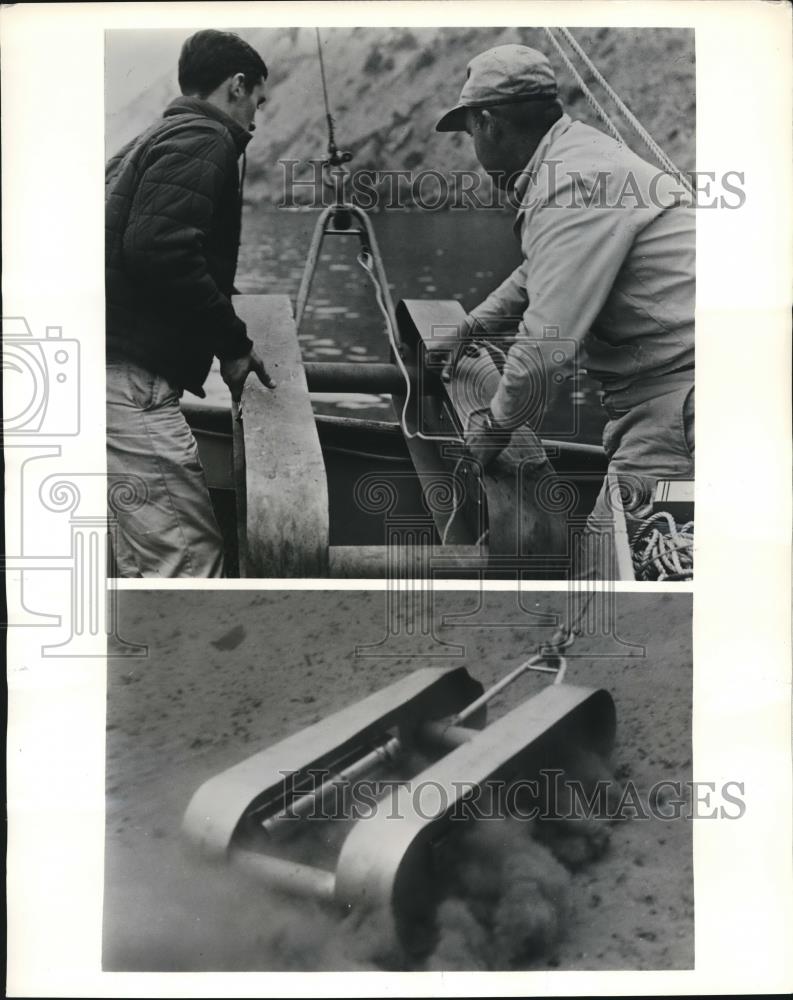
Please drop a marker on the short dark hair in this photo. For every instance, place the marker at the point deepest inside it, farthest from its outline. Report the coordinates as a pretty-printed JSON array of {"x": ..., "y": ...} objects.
[
  {"x": 209, "y": 57},
  {"x": 529, "y": 116}
]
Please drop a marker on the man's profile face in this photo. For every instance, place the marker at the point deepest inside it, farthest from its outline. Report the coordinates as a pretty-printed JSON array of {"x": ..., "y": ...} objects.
[
  {"x": 487, "y": 146},
  {"x": 502, "y": 155},
  {"x": 243, "y": 106}
]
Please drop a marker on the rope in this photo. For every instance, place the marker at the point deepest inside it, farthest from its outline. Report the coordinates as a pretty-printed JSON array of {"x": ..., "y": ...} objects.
[
  {"x": 457, "y": 502},
  {"x": 365, "y": 260},
  {"x": 632, "y": 120},
  {"x": 662, "y": 549},
  {"x": 565, "y": 635},
  {"x": 546, "y": 659},
  {"x": 629, "y": 116},
  {"x": 584, "y": 88}
]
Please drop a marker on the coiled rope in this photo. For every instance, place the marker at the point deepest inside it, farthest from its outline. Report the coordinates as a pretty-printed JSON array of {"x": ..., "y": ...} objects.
[{"x": 662, "y": 549}]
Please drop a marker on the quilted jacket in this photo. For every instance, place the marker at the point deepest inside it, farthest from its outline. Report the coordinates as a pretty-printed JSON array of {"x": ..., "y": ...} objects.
[{"x": 172, "y": 233}]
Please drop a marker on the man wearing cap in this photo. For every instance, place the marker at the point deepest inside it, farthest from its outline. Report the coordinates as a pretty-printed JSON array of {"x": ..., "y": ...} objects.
[{"x": 608, "y": 262}]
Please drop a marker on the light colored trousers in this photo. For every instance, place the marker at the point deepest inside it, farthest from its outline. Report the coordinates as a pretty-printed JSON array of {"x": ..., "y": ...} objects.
[
  {"x": 652, "y": 439},
  {"x": 170, "y": 530}
]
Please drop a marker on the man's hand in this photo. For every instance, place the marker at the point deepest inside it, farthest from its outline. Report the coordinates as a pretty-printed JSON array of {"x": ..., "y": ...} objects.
[
  {"x": 466, "y": 331},
  {"x": 235, "y": 371},
  {"x": 484, "y": 438}
]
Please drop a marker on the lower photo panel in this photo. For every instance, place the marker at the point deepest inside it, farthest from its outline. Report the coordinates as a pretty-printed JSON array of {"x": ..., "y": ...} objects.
[{"x": 399, "y": 780}]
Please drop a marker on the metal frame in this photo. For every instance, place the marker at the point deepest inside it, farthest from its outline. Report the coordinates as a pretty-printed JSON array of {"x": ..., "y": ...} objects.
[
  {"x": 335, "y": 221},
  {"x": 385, "y": 862}
]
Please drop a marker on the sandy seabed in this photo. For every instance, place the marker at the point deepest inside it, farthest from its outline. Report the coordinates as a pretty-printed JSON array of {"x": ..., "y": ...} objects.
[{"x": 229, "y": 673}]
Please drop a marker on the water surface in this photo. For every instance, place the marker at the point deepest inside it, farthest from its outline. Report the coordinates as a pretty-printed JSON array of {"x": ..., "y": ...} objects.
[{"x": 432, "y": 255}]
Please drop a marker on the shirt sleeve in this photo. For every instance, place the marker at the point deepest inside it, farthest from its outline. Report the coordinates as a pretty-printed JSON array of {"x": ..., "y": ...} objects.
[
  {"x": 164, "y": 243},
  {"x": 573, "y": 254},
  {"x": 502, "y": 310}
]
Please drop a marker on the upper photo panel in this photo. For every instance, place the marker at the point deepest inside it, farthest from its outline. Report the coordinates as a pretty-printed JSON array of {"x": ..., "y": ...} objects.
[{"x": 401, "y": 302}]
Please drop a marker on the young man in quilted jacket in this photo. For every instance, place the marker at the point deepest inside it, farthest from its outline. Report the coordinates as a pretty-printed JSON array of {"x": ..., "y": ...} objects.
[
  {"x": 172, "y": 230},
  {"x": 608, "y": 264}
]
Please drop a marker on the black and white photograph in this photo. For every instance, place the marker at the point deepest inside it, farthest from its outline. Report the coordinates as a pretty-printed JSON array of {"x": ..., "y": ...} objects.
[
  {"x": 354, "y": 641},
  {"x": 297, "y": 782},
  {"x": 367, "y": 285}
]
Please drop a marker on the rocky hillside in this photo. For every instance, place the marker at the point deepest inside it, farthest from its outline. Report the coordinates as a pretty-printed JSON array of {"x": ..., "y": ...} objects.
[{"x": 388, "y": 87}]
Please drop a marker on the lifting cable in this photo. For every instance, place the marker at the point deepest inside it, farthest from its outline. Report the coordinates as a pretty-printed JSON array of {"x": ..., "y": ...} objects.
[
  {"x": 335, "y": 158},
  {"x": 328, "y": 115},
  {"x": 366, "y": 261},
  {"x": 632, "y": 120},
  {"x": 602, "y": 114}
]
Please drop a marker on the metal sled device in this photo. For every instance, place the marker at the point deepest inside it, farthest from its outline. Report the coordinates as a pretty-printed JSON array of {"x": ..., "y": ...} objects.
[{"x": 257, "y": 814}]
